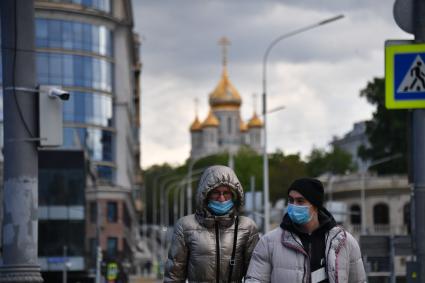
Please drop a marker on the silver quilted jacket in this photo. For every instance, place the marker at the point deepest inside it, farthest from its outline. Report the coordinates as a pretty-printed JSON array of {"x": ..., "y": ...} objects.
[
  {"x": 280, "y": 258},
  {"x": 202, "y": 243}
]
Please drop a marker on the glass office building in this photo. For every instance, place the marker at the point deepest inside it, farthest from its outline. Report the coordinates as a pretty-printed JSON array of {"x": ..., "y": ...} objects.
[
  {"x": 88, "y": 48},
  {"x": 86, "y": 70}
]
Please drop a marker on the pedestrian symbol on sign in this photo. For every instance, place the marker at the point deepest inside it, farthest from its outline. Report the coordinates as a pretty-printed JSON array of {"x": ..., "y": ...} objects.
[{"x": 414, "y": 80}]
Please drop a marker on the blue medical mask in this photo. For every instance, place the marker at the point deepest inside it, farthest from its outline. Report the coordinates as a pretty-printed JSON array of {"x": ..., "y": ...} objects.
[
  {"x": 220, "y": 208},
  {"x": 299, "y": 214}
]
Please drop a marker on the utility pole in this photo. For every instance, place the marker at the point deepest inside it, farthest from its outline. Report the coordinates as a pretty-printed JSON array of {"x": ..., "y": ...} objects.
[
  {"x": 252, "y": 184},
  {"x": 20, "y": 202},
  {"x": 99, "y": 256},
  {"x": 418, "y": 151},
  {"x": 65, "y": 265}
]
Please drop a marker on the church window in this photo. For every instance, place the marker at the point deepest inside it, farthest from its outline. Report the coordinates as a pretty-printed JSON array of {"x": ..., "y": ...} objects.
[{"x": 229, "y": 125}]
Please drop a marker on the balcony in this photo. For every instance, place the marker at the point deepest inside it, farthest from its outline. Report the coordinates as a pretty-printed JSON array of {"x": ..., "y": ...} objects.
[{"x": 379, "y": 229}]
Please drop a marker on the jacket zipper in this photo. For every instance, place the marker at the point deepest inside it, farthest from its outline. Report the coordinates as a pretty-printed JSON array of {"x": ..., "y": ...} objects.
[
  {"x": 300, "y": 249},
  {"x": 217, "y": 247}
]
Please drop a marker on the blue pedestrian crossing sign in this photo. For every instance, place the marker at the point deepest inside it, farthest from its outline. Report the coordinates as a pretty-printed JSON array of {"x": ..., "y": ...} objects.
[{"x": 404, "y": 75}]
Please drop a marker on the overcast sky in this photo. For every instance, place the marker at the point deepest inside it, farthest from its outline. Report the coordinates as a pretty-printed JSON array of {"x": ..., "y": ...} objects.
[{"x": 317, "y": 74}]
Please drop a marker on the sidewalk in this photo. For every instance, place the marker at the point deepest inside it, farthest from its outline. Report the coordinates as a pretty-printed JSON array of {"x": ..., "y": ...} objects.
[{"x": 136, "y": 279}]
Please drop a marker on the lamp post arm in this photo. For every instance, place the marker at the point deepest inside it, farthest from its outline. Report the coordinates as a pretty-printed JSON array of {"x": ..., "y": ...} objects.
[
  {"x": 382, "y": 160},
  {"x": 289, "y": 34}
]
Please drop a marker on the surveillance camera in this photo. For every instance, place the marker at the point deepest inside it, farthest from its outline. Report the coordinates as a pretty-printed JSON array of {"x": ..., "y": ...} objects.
[{"x": 58, "y": 92}]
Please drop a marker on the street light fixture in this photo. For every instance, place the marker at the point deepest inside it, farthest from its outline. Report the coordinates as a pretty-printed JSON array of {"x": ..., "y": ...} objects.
[{"x": 265, "y": 159}]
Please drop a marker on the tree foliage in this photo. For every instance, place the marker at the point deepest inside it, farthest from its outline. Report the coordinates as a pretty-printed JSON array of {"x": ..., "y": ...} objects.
[
  {"x": 283, "y": 170},
  {"x": 336, "y": 161},
  {"x": 387, "y": 131}
]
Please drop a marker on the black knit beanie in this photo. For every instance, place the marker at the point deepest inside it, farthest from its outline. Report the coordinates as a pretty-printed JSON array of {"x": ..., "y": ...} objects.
[{"x": 311, "y": 189}]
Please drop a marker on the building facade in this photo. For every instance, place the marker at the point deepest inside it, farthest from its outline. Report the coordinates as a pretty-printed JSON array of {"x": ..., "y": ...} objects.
[
  {"x": 387, "y": 204},
  {"x": 223, "y": 130},
  {"x": 352, "y": 141},
  {"x": 88, "y": 48}
]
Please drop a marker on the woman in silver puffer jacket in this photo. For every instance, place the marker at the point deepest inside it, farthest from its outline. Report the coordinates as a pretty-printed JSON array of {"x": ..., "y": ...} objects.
[{"x": 203, "y": 243}]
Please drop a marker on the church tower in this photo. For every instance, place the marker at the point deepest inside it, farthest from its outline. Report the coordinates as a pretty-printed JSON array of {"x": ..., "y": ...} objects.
[
  {"x": 255, "y": 126},
  {"x": 210, "y": 134},
  {"x": 196, "y": 134},
  {"x": 224, "y": 130},
  {"x": 225, "y": 102}
]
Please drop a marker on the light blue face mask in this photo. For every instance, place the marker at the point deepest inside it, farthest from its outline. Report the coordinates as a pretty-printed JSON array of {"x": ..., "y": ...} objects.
[
  {"x": 299, "y": 214},
  {"x": 220, "y": 208}
]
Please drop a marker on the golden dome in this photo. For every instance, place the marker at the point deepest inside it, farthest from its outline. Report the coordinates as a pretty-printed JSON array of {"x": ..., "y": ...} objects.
[
  {"x": 255, "y": 122},
  {"x": 196, "y": 125},
  {"x": 225, "y": 94},
  {"x": 243, "y": 126},
  {"x": 211, "y": 121}
]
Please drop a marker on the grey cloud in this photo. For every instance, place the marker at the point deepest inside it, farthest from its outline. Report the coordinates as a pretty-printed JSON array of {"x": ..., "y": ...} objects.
[{"x": 181, "y": 59}]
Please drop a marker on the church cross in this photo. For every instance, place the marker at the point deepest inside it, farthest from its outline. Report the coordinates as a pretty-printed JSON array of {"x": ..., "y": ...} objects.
[{"x": 224, "y": 42}]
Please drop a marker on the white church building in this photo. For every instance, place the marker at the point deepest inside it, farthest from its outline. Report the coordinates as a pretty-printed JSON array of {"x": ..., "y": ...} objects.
[{"x": 223, "y": 130}]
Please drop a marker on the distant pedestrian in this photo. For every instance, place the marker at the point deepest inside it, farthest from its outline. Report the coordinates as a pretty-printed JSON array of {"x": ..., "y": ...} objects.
[
  {"x": 308, "y": 247},
  {"x": 215, "y": 243}
]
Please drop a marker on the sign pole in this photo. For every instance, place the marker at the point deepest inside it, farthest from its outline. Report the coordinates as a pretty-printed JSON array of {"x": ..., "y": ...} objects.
[{"x": 418, "y": 152}]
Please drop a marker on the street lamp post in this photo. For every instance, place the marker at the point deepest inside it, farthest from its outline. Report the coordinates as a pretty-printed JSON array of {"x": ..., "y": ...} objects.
[
  {"x": 192, "y": 162},
  {"x": 265, "y": 158}
]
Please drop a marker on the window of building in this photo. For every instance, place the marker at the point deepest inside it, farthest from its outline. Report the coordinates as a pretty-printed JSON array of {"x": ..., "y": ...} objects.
[
  {"x": 112, "y": 246},
  {"x": 97, "y": 142},
  {"x": 406, "y": 216},
  {"x": 88, "y": 108},
  {"x": 381, "y": 214},
  {"x": 102, "y": 5},
  {"x": 93, "y": 211},
  {"x": 229, "y": 125},
  {"x": 53, "y": 235},
  {"x": 73, "y": 35},
  {"x": 105, "y": 173},
  {"x": 112, "y": 212},
  {"x": 74, "y": 71},
  {"x": 355, "y": 214}
]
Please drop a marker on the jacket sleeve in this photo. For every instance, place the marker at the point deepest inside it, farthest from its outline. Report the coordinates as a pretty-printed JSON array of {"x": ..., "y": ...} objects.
[
  {"x": 356, "y": 273},
  {"x": 259, "y": 269},
  {"x": 176, "y": 265},
  {"x": 250, "y": 245}
]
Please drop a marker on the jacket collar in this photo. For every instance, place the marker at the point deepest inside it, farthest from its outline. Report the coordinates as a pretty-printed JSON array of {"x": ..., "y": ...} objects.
[
  {"x": 207, "y": 219},
  {"x": 336, "y": 237}
]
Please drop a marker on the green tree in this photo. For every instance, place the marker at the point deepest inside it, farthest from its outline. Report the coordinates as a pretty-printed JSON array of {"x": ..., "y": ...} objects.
[
  {"x": 387, "y": 131},
  {"x": 152, "y": 177},
  {"x": 284, "y": 169},
  {"x": 337, "y": 161}
]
